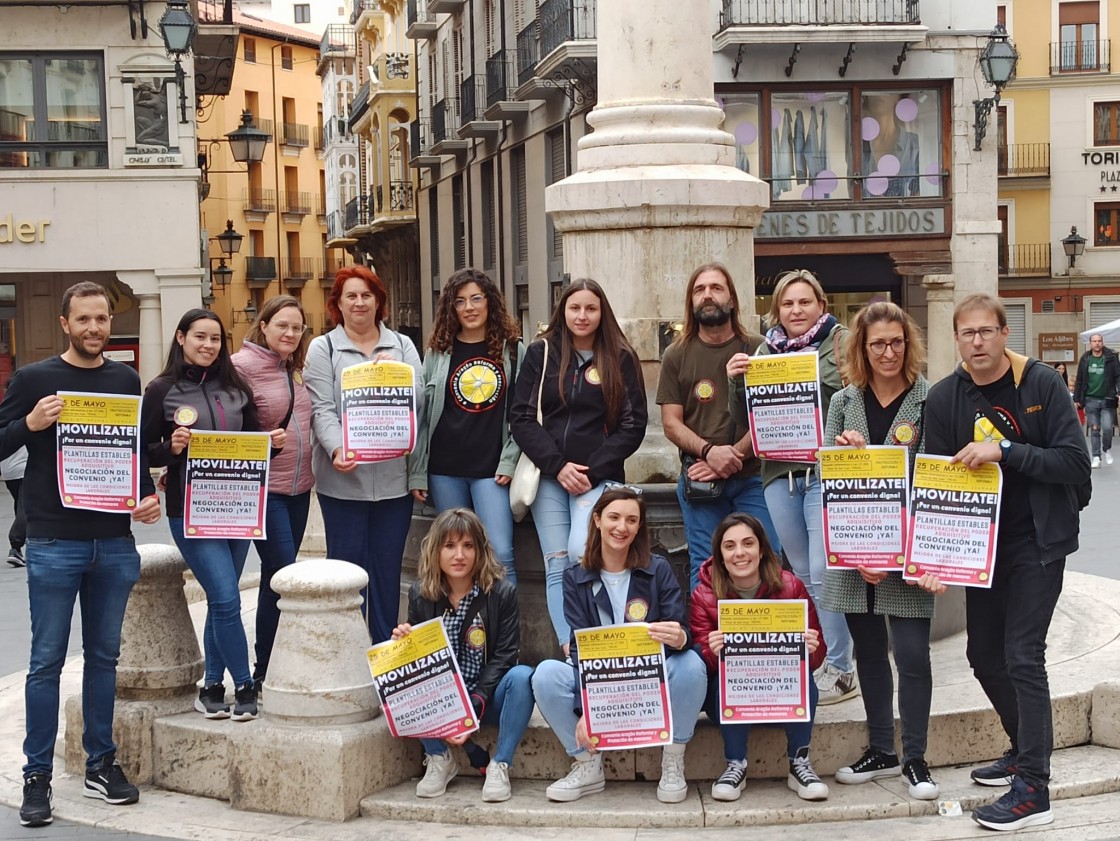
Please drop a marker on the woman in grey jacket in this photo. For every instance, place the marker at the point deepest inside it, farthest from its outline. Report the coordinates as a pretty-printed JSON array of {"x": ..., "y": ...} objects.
[
  {"x": 366, "y": 508},
  {"x": 465, "y": 454}
]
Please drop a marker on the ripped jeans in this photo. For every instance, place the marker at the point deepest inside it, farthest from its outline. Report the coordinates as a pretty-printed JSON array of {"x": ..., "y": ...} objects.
[{"x": 561, "y": 520}]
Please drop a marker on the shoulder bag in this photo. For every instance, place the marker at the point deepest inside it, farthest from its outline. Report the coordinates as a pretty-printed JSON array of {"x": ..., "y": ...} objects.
[{"x": 526, "y": 475}]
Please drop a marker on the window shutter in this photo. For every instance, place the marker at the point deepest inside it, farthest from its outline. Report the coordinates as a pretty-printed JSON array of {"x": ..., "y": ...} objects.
[
  {"x": 517, "y": 159},
  {"x": 1017, "y": 321},
  {"x": 557, "y": 172},
  {"x": 1102, "y": 312}
]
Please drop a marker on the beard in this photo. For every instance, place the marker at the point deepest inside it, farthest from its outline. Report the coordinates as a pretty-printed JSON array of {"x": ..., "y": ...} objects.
[
  {"x": 713, "y": 315},
  {"x": 77, "y": 344}
]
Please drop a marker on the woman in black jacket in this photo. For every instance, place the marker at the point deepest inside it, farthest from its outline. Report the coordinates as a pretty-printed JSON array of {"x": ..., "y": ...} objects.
[
  {"x": 593, "y": 416},
  {"x": 460, "y": 579}
]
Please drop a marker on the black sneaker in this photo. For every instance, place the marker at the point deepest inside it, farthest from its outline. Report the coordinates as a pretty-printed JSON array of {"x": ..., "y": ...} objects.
[
  {"x": 15, "y": 557},
  {"x": 922, "y": 786},
  {"x": 871, "y": 766},
  {"x": 245, "y": 708},
  {"x": 731, "y": 782},
  {"x": 1023, "y": 806},
  {"x": 108, "y": 782},
  {"x": 37, "y": 797},
  {"x": 999, "y": 773},
  {"x": 211, "y": 701},
  {"x": 803, "y": 779}
]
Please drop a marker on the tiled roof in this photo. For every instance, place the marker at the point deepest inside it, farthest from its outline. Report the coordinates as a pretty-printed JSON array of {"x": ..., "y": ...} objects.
[{"x": 272, "y": 29}]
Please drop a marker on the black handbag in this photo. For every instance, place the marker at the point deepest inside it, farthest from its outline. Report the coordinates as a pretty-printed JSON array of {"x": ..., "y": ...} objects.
[{"x": 694, "y": 489}]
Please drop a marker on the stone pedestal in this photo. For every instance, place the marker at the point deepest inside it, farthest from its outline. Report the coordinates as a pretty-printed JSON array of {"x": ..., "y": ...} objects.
[
  {"x": 159, "y": 665},
  {"x": 942, "y": 357},
  {"x": 318, "y": 673}
]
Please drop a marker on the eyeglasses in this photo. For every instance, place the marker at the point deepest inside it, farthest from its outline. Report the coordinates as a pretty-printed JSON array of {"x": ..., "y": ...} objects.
[
  {"x": 288, "y": 328},
  {"x": 621, "y": 486},
  {"x": 879, "y": 347},
  {"x": 473, "y": 300},
  {"x": 985, "y": 333}
]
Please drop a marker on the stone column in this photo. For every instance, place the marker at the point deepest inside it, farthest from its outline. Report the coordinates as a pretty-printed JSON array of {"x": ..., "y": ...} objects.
[
  {"x": 657, "y": 192},
  {"x": 151, "y": 337},
  {"x": 940, "y": 289},
  {"x": 318, "y": 673}
]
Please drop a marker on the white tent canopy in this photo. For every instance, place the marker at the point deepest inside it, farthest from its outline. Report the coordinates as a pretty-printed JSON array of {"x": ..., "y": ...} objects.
[{"x": 1110, "y": 332}]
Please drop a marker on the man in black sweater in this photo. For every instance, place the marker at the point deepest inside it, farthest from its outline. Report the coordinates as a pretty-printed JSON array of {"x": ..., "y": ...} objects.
[{"x": 72, "y": 553}]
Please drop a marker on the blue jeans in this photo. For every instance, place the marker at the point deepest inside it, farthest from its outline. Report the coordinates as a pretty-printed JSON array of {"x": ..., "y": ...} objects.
[
  {"x": 285, "y": 523},
  {"x": 486, "y": 498},
  {"x": 554, "y": 687},
  {"x": 100, "y": 574},
  {"x": 217, "y": 564},
  {"x": 561, "y": 520},
  {"x": 510, "y": 707},
  {"x": 702, "y": 518},
  {"x": 797, "y": 516},
  {"x": 371, "y": 535},
  {"x": 799, "y": 734},
  {"x": 1098, "y": 416}
]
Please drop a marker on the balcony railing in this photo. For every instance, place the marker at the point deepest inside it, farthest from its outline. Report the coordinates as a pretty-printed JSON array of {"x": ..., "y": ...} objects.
[
  {"x": 445, "y": 119},
  {"x": 419, "y": 21},
  {"x": 335, "y": 225},
  {"x": 320, "y": 205},
  {"x": 320, "y": 134},
  {"x": 1022, "y": 260},
  {"x": 328, "y": 268},
  {"x": 1024, "y": 160},
  {"x": 528, "y": 53},
  {"x": 499, "y": 77},
  {"x": 569, "y": 20},
  {"x": 266, "y": 126},
  {"x": 260, "y": 268},
  {"x": 401, "y": 198},
  {"x": 472, "y": 96},
  {"x": 363, "y": 6},
  {"x": 296, "y": 203},
  {"x": 256, "y": 200},
  {"x": 294, "y": 134},
  {"x": 1079, "y": 56},
  {"x": 817, "y": 12},
  {"x": 355, "y": 213},
  {"x": 300, "y": 269},
  {"x": 337, "y": 40},
  {"x": 359, "y": 104}
]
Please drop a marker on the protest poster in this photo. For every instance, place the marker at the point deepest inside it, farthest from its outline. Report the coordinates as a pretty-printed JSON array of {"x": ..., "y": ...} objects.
[
  {"x": 784, "y": 406},
  {"x": 623, "y": 684},
  {"x": 98, "y": 441},
  {"x": 420, "y": 686},
  {"x": 954, "y": 513},
  {"x": 864, "y": 492},
  {"x": 378, "y": 411},
  {"x": 764, "y": 663},
  {"x": 226, "y": 484}
]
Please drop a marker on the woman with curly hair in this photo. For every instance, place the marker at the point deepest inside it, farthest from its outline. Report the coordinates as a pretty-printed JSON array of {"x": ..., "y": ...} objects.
[
  {"x": 465, "y": 455},
  {"x": 593, "y": 416}
]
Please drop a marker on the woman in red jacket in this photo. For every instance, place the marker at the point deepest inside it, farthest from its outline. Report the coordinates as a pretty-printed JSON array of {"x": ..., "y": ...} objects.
[{"x": 744, "y": 566}]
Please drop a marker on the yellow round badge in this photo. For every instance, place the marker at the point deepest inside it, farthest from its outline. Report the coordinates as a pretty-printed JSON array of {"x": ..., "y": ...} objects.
[
  {"x": 904, "y": 433},
  {"x": 637, "y": 610},
  {"x": 832, "y": 559},
  {"x": 468, "y": 722},
  {"x": 705, "y": 390},
  {"x": 131, "y": 503},
  {"x": 185, "y": 416},
  {"x": 68, "y": 498},
  {"x": 983, "y": 576},
  {"x": 800, "y": 711},
  {"x": 901, "y": 559},
  {"x": 728, "y": 712},
  {"x": 593, "y": 376},
  {"x": 663, "y": 735},
  {"x": 256, "y": 532},
  {"x": 476, "y": 637},
  {"x": 912, "y": 569}
]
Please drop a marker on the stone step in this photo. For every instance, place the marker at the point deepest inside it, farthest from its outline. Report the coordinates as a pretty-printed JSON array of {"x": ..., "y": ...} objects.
[{"x": 1077, "y": 772}]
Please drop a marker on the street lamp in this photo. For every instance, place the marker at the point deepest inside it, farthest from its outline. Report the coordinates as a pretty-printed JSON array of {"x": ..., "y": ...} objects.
[
  {"x": 247, "y": 315},
  {"x": 221, "y": 275},
  {"x": 998, "y": 61},
  {"x": 229, "y": 240},
  {"x": 1074, "y": 246},
  {"x": 178, "y": 28},
  {"x": 247, "y": 142}
]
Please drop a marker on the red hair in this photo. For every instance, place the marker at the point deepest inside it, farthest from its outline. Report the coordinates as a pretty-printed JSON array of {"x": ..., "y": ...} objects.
[{"x": 373, "y": 282}]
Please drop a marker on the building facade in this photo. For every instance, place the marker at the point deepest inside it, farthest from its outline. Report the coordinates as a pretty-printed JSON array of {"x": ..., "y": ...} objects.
[{"x": 1059, "y": 168}]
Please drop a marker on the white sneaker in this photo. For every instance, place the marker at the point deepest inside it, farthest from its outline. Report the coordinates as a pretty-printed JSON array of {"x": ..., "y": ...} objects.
[
  {"x": 1096, "y": 462},
  {"x": 442, "y": 769},
  {"x": 496, "y": 789},
  {"x": 835, "y": 686},
  {"x": 1108, "y": 456},
  {"x": 673, "y": 787},
  {"x": 586, "y": 777}
]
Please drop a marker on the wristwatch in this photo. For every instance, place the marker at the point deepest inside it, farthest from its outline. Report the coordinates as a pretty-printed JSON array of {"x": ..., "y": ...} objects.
[{"x": 1004, "y": 449}]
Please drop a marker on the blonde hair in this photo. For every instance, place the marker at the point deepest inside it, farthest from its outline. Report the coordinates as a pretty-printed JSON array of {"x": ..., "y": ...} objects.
[
  {"x": 784, "y": 282},
  {"x": 454, "y": 523},
  {"x": 856, "y": 369}
]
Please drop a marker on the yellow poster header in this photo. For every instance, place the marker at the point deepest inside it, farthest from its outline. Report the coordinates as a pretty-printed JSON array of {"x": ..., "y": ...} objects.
[
  {"x": 104, "y": 409},
  {"x": 384, "y": 374},
  {"x": 245, "y": 446},
  {"x": 425, "y": 639},
  {"x": 629, "y": 640},
  {"x": 936, "y": 472},
  {"x": 782, "y": 368},
  {"x": 743, "y": 616},
  {"x": 863, "y": 463}
]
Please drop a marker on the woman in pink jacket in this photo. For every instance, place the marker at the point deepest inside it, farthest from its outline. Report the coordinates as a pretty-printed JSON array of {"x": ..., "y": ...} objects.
[{"x": 271, "y": 360}]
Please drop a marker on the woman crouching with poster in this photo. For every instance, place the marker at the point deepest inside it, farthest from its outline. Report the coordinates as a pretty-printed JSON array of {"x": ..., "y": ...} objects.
[
  {"x": 200, "y": 390},
  {"x": 619, "y": 581},
  {"x": 744, "y": 566},
  {"x": 460, "y": 579}
]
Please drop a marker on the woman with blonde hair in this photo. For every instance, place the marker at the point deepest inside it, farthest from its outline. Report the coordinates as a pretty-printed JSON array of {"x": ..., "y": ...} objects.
[
  {"x": 460, "y": 579},
  {"x": 799, "y": 321},
  {"x": 271, "y": 358},
  {"x": 884, "y": 403}
]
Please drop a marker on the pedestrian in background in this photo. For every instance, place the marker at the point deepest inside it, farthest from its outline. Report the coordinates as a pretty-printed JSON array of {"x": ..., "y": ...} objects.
[
  {"x": 1098, "y": 380},
  {"x": 11, "y": 471}
]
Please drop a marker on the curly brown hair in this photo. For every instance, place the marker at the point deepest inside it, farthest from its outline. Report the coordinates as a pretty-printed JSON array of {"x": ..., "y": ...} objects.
[{"x": 501, "y": 327}]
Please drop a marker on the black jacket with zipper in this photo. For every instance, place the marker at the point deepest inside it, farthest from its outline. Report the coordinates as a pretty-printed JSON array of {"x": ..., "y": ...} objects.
[
  {"x": 501, "y": 620},
  {"x": 1054, "y": 458},
  {"x": 575, "y": 427},
  {"x": 1111, "y": 377},
  {"x": 217, "y": 409}
]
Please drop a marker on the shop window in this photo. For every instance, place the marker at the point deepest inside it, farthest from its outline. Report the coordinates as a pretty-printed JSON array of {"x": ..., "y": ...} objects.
[
  {"x": 1106, "y": 228},
  {"x": 1106, "y": 124},
  {"x": 52, "y": 112},
  {"x": 741, "y": 115},
  {"x": 899, "y": 138},
  {"x": 810, "y": 146},
  {"x": 302, "y": 12}
]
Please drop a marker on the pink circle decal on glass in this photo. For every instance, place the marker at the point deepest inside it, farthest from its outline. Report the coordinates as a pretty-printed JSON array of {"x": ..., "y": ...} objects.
[
  {"x": 876, "y": 185},
  {"x": 889, "y": 165},
  {"x": 906, "y": 110},
  {"x": 826, "y": 182},
  {"x": 809, "y": 193},
  {"x": 932, "y": 175},
  {"x": 869, "y": 128},
  {"x": 720, "y": 102},
  {"x": 746, "y": 134}
]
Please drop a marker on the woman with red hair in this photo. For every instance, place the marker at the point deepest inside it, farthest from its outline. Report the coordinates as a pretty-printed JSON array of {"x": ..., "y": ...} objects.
[{"x": 366, "y": 508}]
